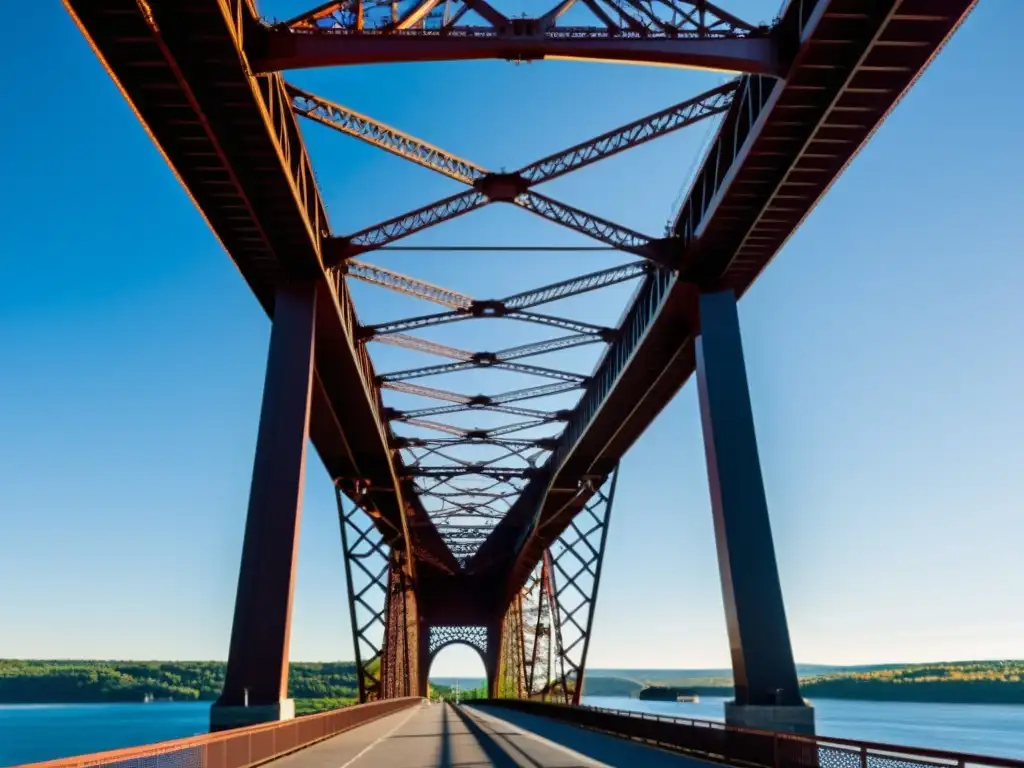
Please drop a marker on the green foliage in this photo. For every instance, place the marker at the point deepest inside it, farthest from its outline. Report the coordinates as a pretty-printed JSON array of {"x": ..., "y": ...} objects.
[
  {"x": 447, "y": 692},
  {"x": 36, "y": 682},
  {"x": 312, "y": 706},
  {"x": 960, "y": 682},
  {"x": 968, "y": 682},
  {"x": 474, "y": 693},
  {"x": 946, "y": 672},
  {"x": 329, "y": 685}
]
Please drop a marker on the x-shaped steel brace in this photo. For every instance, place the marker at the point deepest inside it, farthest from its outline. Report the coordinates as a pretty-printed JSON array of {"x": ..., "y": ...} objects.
[
  {"x": 687, "y": 18},
  {"x": 515, "y": 187}
]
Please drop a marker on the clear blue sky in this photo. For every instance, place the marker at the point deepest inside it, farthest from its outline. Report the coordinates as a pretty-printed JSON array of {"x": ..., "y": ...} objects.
[{"x": 883, "y": 349}]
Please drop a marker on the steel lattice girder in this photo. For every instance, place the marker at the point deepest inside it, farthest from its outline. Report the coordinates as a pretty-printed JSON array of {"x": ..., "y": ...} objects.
[
  {"x": 538, "y": 632},
  {"x": 482, "y": 401},
  {"x": 382, "y": 607},
  {"x": 511, "y": 410},
  {"x": 512, "y": 669},
  {"x": 424, "y": 321},
  {"x": 576, "y": 559},
  {"x": 691, "y": 33},
  {"x": 368, "y": 562},
  {"x": 484, "y": 361},
  {"x": 511, "y": 306},
  {"x": 441, "y": 636},
  {"x": 690, "y": 18},
  {"x": 410, "y": 286},
  {"x": 507, "y": 187},
  {"x": 477, "y": 359},
  {"x": 285, "y": 49},
  {"x": 421, "y": 449}
]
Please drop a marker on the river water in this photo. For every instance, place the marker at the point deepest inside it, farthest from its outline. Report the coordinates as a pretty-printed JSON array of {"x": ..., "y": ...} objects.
[
  {"x": 30, "y": 733},
  {"x": 985, "y": 729}
]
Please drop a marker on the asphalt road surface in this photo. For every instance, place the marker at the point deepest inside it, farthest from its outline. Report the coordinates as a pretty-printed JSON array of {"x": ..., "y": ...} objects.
[{"x": 445, "y": 736}]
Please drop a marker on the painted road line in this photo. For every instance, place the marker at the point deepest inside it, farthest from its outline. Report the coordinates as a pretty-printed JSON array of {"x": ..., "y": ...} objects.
[{"x": 379, "y": 739}]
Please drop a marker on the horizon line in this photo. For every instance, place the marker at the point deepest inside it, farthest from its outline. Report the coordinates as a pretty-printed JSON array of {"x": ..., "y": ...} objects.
[{"x": 593, "y": 669}]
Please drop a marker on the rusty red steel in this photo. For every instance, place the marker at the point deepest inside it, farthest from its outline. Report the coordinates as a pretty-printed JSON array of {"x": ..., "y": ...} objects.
[
  {"x": 711, "y": 740},
  {"x": 241, "y": 747}
]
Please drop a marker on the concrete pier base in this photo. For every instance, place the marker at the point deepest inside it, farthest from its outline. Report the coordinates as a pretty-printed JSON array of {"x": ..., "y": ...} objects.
[
  {"x": 792, "y": 719},
  {"x": 224, "y": 718}
]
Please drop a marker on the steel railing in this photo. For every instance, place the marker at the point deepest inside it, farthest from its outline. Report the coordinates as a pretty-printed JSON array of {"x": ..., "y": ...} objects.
[
  {"x": 711, "y": 740},
  {"x": 239, "y": 747}
]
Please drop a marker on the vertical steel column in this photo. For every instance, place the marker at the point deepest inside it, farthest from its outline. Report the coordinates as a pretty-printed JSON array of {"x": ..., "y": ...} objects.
[
  {"x": 762, "y": 657},
  {"x": 492, "y": 656},
  {"x": 399, "y": 668},
  {"x": 257, "y": 669}
]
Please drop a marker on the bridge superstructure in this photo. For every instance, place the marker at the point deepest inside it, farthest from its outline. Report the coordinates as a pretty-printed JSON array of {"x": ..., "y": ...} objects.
[{"x": 495, "y": 536}]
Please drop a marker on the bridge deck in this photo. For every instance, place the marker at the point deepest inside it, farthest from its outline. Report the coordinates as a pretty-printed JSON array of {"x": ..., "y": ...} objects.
[{"x": 462, "y": 737}]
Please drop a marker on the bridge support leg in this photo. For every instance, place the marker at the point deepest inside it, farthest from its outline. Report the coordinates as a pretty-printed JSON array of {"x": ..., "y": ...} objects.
[
  {"x": 767, "y": 691},
  {"x": 256, "y": 684},
  {"x": 492, "y": 659},
  {"x": 399, "y": 667}
]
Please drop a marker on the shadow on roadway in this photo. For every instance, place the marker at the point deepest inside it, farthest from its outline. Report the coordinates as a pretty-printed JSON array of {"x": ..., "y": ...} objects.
[
  {"x": 601, "y": 747},
  {"x": 497, "y": 753}
]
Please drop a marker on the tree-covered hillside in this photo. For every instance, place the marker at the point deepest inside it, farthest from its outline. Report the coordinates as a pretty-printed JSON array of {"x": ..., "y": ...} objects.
[
  {"x": 965, "y": 682},
  {"x": 334, "y": 683},
  {"x": 99, "y": 681}
]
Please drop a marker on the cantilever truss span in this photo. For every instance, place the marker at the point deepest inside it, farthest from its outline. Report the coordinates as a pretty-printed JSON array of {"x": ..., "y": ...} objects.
[
  {"x": 464, "y": 504},
  {"x": 467, "y": 476}
]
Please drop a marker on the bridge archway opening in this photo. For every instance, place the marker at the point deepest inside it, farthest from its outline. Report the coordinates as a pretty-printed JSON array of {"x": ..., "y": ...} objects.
[{"x": 457, "y": 655}]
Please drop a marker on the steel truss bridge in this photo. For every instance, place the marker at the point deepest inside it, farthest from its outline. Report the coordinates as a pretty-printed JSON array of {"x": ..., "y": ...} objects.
[{"x": 494, "y": 536}]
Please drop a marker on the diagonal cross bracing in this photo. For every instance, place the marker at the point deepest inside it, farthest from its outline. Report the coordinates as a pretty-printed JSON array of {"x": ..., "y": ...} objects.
[
  {"x": 543, "y": 347},
  {"x": 575, "y": 286},
  {"x": 410, "y": 223},
  {"x": 441, "y": 318},
  {"x": 434, "y": 370},
  {"x": 510, "y": 410},
  {"x": 390, "y": 139},
  {"x": 713, "y": 102},
  {"x": 512, "y": 307},
  {"x": 602, "y": 230},
  {"x": 330, "y": 13},
  {"x": 410, "y": 286},
  {"x": 696, "y": 18},
  {"x": 512, "y": 353},
  {"x": 431, "y": 392},
  {"x": 509, "y": 188},
  {"x": 423, "y": 345}
]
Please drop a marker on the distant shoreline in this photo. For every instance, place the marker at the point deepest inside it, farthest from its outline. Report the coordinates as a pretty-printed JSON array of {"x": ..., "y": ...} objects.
[
  {"x": 968, "y": 682},
  {"x": 912, "y": 697},
  {"x": 110, "y": 682}
]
